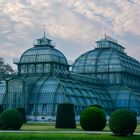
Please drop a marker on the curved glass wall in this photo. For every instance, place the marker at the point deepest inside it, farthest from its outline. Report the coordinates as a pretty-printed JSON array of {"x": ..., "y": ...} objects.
[
  {"x": 125, "y": 97},
  {"x": 2, "y": 92},
  {"x": 109, "y": 64},
  {"x": 49, "y": 90},
  {"x": 15, "y": 96},
  {"x": 105, "y": 76},
  {"x": 42, "y": 60},
  {"x": 98, "y": 61},
  {"x": 43, "y": 54}
]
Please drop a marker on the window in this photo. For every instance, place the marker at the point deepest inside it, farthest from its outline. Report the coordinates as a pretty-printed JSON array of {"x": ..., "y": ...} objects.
[
  {"x": 112, "y": 78},
  {"x": 39, "y": 68},
  {"x": 31, "y": 69},
  {"x": 23, "y": 69},
  {"x": 15, "y": 97},
  {"x": 46, "y": 68}
]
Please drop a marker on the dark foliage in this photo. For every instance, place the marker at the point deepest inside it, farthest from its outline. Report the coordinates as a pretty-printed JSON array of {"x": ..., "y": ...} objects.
[
  {"x": 123, "y": 122},
  {"x": 5, "y": 70},
  {"x": 65, "y": 116},
  {"x": 22, "y": 111},
  {"x": 10, "y": 120},
  {"x": 1, "y": 108},
  {"x": 93, "y": 119},
  {"x": 96, "y": 105}
]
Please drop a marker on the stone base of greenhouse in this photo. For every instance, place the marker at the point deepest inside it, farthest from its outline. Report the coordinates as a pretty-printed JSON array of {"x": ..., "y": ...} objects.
[{"x": 44, "y": 118}]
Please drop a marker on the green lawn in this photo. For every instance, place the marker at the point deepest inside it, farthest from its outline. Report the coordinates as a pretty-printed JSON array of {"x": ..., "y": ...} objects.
[
  {"x": 60, "y": 136},
  {"x": 36, "y": 136},
  {"x": 45, "y": 127},
  {"x": 51, "y": 127}
]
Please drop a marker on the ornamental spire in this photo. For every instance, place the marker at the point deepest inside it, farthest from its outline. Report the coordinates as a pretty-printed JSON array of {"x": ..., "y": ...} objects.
[{"x": 44, "y": 31}]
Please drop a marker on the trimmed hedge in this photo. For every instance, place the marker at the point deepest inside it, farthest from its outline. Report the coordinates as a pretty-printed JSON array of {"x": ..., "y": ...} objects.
[
  {"x": 93, "y": 119},
  {"x": 10, "y": 120},
  {"x": 123, "y": 122},
  {"x": 22, "y": 111},
  {"x": 96, "y": 105},
  {"x": 65, "y": 117},
  {"x": 1, "y": 108}
]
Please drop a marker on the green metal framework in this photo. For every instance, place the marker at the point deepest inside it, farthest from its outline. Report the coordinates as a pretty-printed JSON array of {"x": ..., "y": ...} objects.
[
  {"x": 109, "y": 62},
  {"x": 44, "y": 81}
]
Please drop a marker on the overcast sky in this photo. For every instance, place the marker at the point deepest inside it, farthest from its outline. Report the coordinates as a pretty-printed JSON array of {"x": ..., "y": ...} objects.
[{"x": 74, "y": 25}]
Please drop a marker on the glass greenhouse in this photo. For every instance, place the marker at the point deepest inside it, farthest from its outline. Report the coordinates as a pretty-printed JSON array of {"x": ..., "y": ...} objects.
[
  {"x": 44, "y": 81},
  {"x": 105, "y": 76},
  {"x": 108, "y": 61}
]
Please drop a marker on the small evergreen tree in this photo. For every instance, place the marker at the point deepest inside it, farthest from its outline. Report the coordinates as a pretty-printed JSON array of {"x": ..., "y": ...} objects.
[
  {"x": 96, "y": 105},
  {"x": 10, "y": 120},
  {"x": 93, "y": 119},
  {"x": 1, "y": 108},
  {"x": 123, "y": 122},
  {"x": 65, "y": 117},
  {"x": 22, "y": 111}
]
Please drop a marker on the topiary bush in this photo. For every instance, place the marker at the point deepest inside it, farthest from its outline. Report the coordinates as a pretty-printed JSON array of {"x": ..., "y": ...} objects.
[
  {"x": 10, "y": 120},
  {"x": 96, "y": 105},
  {"x": 93, "y": 119},
  {"x": 65, "y": 117},
  {"x": 123, "y": 122},
  {"x": 1, "y": 108},
  {"x": 22, "y": 111}
]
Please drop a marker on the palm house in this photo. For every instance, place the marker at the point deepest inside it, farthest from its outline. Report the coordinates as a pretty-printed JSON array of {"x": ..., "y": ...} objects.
[
  {"x": 109, "y": 62},
  {"x": 44, "y": 80},
  {"x": 104, "y": 76}
]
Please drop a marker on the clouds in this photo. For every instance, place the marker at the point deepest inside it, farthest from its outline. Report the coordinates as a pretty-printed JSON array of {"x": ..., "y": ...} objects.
[
  {"x": 67, "y": 21},
  {"x": 119, "y": 16}
]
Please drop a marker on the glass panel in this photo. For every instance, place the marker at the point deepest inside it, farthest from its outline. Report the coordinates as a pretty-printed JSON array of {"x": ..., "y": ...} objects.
[
  {"x": 2, "y": 92},
  {"x": 23, "y": 69},
  {"x": 15, "y": 96},
  {"x": 31, "y": 69},
  {"x": 39, "y": 68},
  {"x": 46, "y": 68}
]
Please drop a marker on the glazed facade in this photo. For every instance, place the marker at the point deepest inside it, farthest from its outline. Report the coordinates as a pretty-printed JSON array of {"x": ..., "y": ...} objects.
[
  {"x": 106, "y": 76},
  {"x": 44, "y": 81},
  {"x": 108, "y": 61}
]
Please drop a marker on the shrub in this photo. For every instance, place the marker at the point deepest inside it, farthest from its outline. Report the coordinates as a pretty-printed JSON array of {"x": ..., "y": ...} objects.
[
  {"x": 96, "y": 105},
  {"x": 10, "y": 120},
  {"x": 65, "y": 117},
  {"x": 1, "y": 108},
  {"x": 22, "y": 111},
  {"x": 123, "y": 122},
  {"x": 93, "y": 119}
]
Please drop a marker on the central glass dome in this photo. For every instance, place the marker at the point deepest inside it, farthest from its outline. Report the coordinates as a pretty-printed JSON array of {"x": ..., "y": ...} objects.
[{"x": 43, "y": 51}]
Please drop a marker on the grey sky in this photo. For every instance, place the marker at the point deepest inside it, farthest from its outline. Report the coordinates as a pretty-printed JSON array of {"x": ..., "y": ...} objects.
[{"x": 74, "y": 25}]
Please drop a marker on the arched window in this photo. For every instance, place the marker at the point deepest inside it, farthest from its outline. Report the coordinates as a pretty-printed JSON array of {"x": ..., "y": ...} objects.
[
  {"x": 31, "y": 69},
  {"x": 46, "y": 68},
  {"x": 39, "y": 68},
  {"x": 15, "y": 96},
  {"x": 23, "y": 69}
]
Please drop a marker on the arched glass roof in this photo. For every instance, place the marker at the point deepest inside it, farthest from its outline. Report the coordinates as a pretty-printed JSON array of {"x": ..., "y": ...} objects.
[
  {"x": 51, "y": 90},
  {"x": 106, "y": 59},
  {"x": 43, "y": 51},
  {"x": 125, "y": 97},
  {"x": 43, "y": 54}
]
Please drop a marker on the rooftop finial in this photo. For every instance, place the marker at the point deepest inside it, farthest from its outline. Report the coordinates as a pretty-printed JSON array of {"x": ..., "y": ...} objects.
[
  {"x": 105, "y": 33},
  {"x": 44, "y": 31}
]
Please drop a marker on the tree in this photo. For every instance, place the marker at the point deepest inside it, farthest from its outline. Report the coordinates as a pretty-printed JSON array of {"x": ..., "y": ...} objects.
[
  {"x": 93, "y": 119},
  {"x": 65, "y": 117},
  {"x": 5, "y": 69},
  {"x": 123, "y": 122}
]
